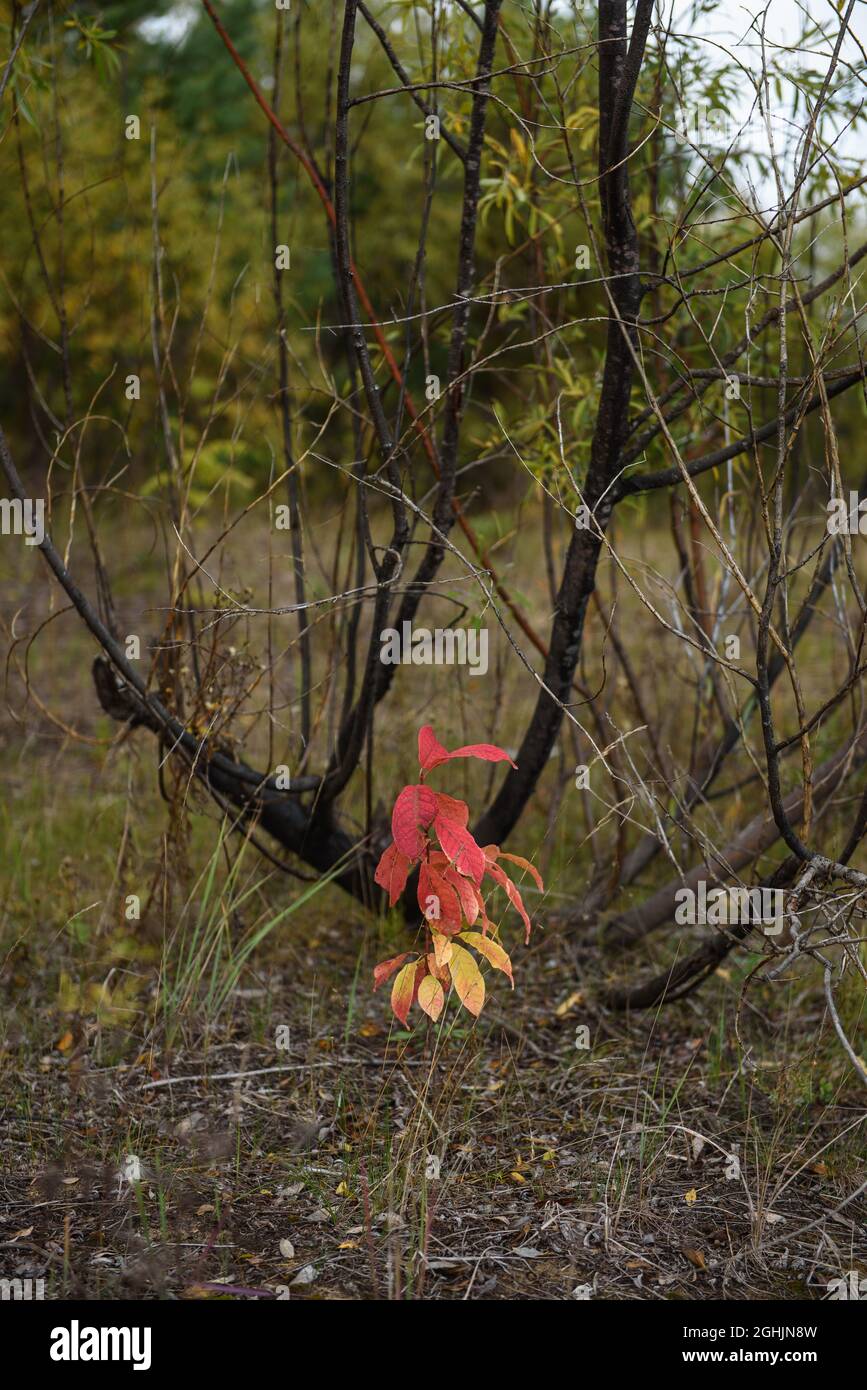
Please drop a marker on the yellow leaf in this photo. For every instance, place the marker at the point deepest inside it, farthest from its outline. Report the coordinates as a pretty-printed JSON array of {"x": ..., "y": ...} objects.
[
  {"x": 518, "y": 143},
  {"x": 431, "y": 997},
  {"x": 467, "y": 979},
  {"x": 516, "y": 1177},
  {"x": 442, "y": 949},
  {"x": 342, "y": 1190},
  {"x": 572, "y": 1002},
  {"x": 491, "y": 950}
]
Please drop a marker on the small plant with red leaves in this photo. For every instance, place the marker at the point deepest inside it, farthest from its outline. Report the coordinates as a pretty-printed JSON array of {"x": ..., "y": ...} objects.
[{"x": 430, "y": 831}]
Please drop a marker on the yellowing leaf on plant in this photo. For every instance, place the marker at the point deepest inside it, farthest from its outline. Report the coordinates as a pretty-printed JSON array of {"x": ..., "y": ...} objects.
[
  {"x": 431, "y": 997},
  {"x": 491, "y": 950},
  {"x": 467, "y": 979},
  {"x": 442, "y": 948},
  {"x": 402, "y": 992}
]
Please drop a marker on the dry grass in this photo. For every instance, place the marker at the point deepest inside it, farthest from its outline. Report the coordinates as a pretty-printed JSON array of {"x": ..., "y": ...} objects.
[{"x": 494, "y": 1162}]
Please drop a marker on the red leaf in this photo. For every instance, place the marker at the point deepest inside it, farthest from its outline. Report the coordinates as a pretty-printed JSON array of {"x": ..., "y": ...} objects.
[
  {"x": 461, "y": 848},
  {"x": 387, "y": 967},
  {"x": 452, "y": 809},
  {"x": 504, "y": 881},
  {"x": 466, "y": 893},
  {"x": 432, "y": 884},
  {"x": 524, "y": 864},
  {"x": 488, "y": 752},
  {"x": 487, "y": 924},
  {"x": 413, "y": 811},
  {"x": 392, "y": 872},
  {"x": 430, "y": 751}
]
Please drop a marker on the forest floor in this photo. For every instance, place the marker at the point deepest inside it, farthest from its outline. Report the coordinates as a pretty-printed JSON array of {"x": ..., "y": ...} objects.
[
  {"x": 301, "y": 1147},
  {"x": 212, "y": 1102}
]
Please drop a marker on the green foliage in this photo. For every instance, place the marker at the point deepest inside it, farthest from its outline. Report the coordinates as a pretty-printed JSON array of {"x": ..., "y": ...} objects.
[{"x": 73, "y": 87}]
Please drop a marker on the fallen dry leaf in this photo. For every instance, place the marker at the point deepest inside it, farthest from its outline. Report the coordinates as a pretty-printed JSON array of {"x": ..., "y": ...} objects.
[{"x": 575, "y": 998}]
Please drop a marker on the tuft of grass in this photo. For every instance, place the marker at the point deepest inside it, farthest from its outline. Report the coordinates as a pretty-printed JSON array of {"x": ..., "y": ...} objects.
[{"x": 208, "y": 950}]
